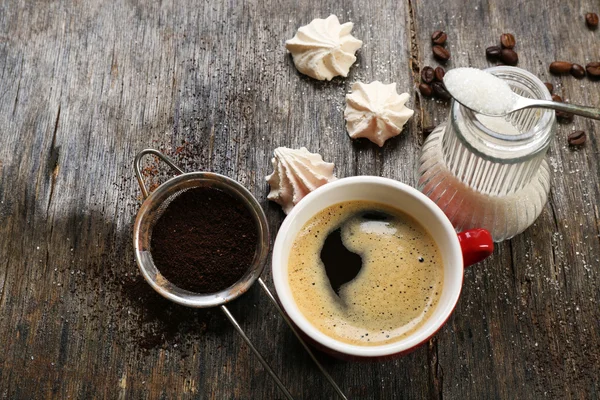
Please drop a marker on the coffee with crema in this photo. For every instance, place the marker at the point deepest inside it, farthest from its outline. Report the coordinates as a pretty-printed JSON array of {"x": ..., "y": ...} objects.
[{"x": 365, "y": 273}]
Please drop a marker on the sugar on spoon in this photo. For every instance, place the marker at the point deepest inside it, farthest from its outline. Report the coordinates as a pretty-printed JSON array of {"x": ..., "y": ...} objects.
[{"x": 487, "y": 94}]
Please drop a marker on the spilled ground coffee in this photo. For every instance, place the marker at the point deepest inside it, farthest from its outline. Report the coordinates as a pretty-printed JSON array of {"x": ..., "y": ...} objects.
[{"x": 204, "y": 241}]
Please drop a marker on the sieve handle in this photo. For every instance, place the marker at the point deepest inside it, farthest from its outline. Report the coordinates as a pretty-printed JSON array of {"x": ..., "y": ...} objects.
[
  {"x": 138, "y": 170},
  {"x": 310, "y": 353},
  {"x": 258, "y": 355}
]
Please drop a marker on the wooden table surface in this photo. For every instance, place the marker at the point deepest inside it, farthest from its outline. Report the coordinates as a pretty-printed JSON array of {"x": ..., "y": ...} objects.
[{"x": 85, "y": 85}]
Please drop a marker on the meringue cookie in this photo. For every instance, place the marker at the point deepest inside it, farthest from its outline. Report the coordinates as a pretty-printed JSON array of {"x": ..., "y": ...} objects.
[
  {"x": 297, "y": 172},
  {"x": 324, "y": 48},
  {"x": 376, "y": 111}
]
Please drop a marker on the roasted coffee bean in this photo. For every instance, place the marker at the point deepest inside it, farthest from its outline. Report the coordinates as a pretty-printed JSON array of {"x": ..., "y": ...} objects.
[
  {"x": 556, "y": 97},
  {"x": 440, "y": 91},
  {"x": 425, "y": 90},
  {"x": 564, "y": 116},
  {"x": 591, "y": 20},
  {"x": 593, "y": 69},
  {"x": 439, "y": 74},
  {"x": 509, "y": 57},
  {"x": 427, "y": 131},
  {"x": 508, "y": 41},
  {"x": 439, "y": 37},
  {"x": 560, "y": 67},
  {"x": 441, "y": 53},
  {"x": 427, "y": 74},
  {"x": 550, "y": 87},
  {"x": 576, "y": 138},
  {"x": 577, "y": 71},
  {"x": 493, "y": 52}
]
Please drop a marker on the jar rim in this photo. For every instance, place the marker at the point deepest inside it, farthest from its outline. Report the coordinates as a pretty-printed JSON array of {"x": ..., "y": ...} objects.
[{"x": 496, "y": 146}]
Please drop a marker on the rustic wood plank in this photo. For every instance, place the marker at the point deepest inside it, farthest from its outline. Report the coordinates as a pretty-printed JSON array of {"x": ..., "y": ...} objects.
[
  {"x": 86, "y": 85},
  {"x": 520, "y": 329}
]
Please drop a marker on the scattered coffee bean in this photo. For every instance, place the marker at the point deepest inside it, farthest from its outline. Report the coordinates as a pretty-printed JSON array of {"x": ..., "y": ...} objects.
[
  {"x": 560, "y": 67},
  {"x": 427, "y": 131},
  {"x": 493, "y": 52},
  {"x": 508, "y": 41},
  {"x": 439, "y": 74},
  {"x": 550, "y": 87},
  {"x": 439, "y": 37},
  {"x": 591, "y": 20},
  {"x": 440, "y": 91},
  {"x": 576, "y": 138},
  {"x": 577, "y": 71},
  {"x": 564, "y": 116},
  {"x": 427, "y": 74},
  {"x": 441, "y": 53},
  {"x": 425, "y": 90},
  {"x": 509, "y": 57},
  {"x": 593, "y": 69},
  {"x": 556, "y": 97}
]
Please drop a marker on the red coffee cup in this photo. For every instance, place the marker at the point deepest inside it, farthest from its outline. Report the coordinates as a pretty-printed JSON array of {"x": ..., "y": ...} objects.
[{"x": 457, "y": 250}]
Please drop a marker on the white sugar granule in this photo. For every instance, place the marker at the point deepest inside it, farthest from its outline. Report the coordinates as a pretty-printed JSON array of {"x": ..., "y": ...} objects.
[
  {"x": 498, "y": 124},
  {"x": 480, "y": 91}
]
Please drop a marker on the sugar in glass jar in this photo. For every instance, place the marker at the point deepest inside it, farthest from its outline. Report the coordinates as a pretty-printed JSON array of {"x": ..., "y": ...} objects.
[{"x": 491, "y": 172}]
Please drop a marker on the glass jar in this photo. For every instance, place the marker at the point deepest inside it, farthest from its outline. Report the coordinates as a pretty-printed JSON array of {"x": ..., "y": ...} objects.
[{"x": 490, "y": 172}]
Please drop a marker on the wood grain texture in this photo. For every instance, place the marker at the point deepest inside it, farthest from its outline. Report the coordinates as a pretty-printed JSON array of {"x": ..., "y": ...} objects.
[
  {"x": 85, "y": 85},
  {"x": 520, "y": 328}
]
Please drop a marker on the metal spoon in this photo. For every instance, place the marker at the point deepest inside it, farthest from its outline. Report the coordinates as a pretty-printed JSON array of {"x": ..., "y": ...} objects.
[{"x": 521, "y": 103}]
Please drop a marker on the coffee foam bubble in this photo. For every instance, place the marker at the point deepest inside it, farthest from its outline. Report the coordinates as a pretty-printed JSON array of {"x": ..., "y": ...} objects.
[{"x": 396, "y": 290}]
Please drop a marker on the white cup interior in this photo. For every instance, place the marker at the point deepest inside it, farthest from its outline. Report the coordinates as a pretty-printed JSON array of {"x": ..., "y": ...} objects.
[{"x": 392, "y": 193}]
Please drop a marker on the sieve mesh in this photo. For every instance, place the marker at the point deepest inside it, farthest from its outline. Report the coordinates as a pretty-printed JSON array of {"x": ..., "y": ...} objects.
[{"x": 155, "y": 206}]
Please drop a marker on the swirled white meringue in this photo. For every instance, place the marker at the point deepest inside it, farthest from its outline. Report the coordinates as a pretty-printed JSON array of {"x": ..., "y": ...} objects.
[
  {"x": 376, "y": 111},
  {"x": 324, "y": 48},
  {"x": 297, "y": 172}
]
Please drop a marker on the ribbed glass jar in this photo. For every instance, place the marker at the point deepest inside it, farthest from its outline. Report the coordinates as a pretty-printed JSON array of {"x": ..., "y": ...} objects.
[{"x": 490, "y": 172}]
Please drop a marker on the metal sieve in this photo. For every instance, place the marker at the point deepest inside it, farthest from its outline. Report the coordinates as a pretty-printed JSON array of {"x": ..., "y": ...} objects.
[{"x": 152, "y": 208}]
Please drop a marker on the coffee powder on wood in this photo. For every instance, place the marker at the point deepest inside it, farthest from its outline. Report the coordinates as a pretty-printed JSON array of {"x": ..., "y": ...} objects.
[{"x": 204, "y": 241}]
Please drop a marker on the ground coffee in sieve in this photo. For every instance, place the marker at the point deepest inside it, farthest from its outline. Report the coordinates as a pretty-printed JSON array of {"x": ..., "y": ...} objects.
[{"x": 204, "y": 241}]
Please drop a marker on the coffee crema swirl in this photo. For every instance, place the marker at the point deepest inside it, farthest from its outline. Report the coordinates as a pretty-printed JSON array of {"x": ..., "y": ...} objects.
[{"x": 395, "y": 290}]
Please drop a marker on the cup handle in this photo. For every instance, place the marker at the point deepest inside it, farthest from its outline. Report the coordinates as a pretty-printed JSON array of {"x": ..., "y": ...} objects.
[{"x": 476, "y": 245}]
